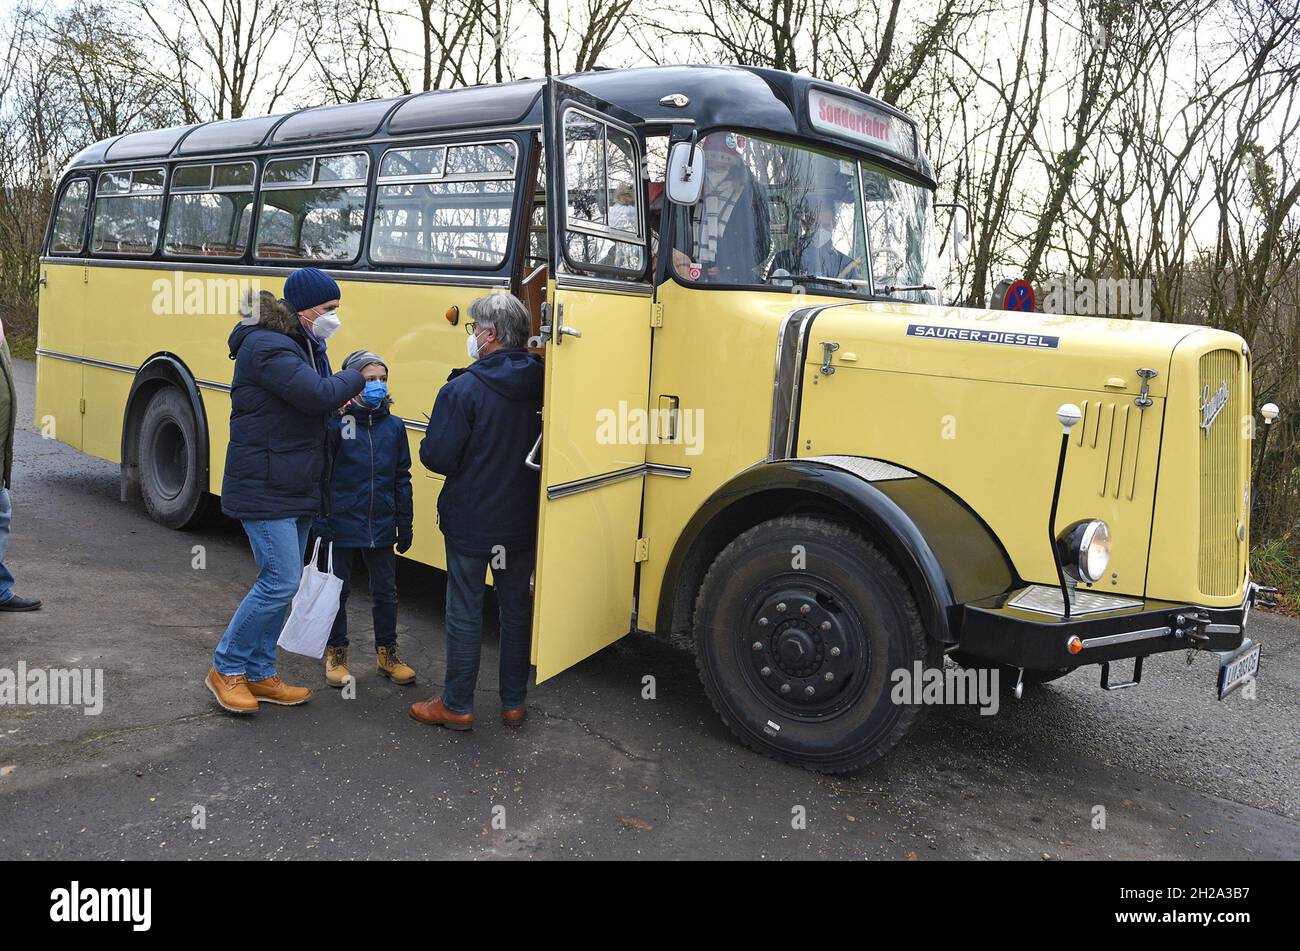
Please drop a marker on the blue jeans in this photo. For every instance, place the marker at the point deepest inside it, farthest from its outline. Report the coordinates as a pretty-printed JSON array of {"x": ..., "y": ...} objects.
[
  {"x": 6, "y": 515},
  {"x": 466, "y": 586},
  {"x": 381, "y": 564},
  {"x": 248, "y": 646}
]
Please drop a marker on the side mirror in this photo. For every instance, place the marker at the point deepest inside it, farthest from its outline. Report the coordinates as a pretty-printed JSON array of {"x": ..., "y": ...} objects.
[
  {"x": 685, "y": 175},
  {"x": 958, "y": 226}
]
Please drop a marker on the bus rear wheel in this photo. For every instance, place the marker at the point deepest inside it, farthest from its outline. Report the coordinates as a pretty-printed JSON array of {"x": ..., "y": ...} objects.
[
  {"x": 799, "y": 626},
  {"x": 170, "y": 467}
]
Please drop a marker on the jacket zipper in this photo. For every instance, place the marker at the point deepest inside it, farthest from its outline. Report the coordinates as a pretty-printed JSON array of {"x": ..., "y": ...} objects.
[{"x": 370, "y": 520}]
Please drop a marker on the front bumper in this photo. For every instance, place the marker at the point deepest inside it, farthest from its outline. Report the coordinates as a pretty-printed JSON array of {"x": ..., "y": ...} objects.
[{"x": 994, "y": 630}]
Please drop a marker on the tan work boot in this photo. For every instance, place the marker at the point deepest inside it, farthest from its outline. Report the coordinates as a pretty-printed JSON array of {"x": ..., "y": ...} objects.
[
  {"x": 336, "y": 666},
  {"x": 391, "y": 666},
  {"x": 275, "y": 690},
  {"x": 232, "y": 693}
]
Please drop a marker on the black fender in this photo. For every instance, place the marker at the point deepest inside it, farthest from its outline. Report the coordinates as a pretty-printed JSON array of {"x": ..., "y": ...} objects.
[
  {"x": 947, "y": 555},
  {"x": 161, "y": 369}
]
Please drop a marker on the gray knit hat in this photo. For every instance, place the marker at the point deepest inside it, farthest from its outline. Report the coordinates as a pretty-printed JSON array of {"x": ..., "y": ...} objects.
[{"x": 360, "y": 359}]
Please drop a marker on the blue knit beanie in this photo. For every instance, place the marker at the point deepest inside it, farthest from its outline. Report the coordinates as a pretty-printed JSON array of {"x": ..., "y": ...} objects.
[{"x": 309, "y": 287}]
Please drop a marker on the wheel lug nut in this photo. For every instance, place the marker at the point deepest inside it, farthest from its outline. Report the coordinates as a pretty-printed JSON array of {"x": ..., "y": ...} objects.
[
  {"x": 758, "y": 645},
  {"x": 763, "y": 622},
  {"x": 826, "y": 625},
  {"x": 829, "y": 676},
  {"x": 835, "y": 652},
  {"x": 766, "y": 671},
  {"x": 805, "y": 608},
  {"x": 809, "y": 691},
  {"x": 785, "y": 688},
  {"x": 781, "y": 608}
]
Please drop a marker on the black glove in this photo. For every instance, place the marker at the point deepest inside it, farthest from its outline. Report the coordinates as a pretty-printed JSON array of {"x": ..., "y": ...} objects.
[
  {"x": 404, "y": 539},
  {"x": 320, "y": 527}
]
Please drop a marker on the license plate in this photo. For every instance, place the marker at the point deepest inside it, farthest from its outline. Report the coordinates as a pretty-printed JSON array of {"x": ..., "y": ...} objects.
[{"x": 1238, "y": 667}]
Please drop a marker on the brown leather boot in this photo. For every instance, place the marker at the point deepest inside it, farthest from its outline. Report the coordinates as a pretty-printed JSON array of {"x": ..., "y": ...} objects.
[
  {"x": 392, "y": 667},
  {"x": 275, "y": 690},
  {"x": 435, "y": 714},
  {"x": 232, "y": 693},
  {"x": 514, "y": 717}
]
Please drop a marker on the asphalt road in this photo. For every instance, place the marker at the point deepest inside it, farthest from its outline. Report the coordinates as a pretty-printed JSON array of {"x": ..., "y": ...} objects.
[{"x": 597, "y": 772}]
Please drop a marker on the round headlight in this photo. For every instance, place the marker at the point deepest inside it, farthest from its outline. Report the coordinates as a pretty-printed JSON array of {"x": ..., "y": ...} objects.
[{"x": 1084, "y": 550}]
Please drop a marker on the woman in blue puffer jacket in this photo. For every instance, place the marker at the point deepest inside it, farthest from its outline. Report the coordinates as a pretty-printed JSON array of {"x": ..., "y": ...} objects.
[{"x": 369, "y": 512}]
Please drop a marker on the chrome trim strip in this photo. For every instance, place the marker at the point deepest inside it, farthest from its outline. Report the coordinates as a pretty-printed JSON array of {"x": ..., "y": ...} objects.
[
  {"x": 86, "y": 361},
  {"x": 594, "y": 482},
  {"x": 1143, "y": 635},
  {"x": 618, "y": 475},
  {"x": 791, "y": 347},
  {"x": 238, "y": 270},
  {"x": 581, "y": 282},
  {"x": 414, "y": 424},
  {"x": 213, "y": 385}
]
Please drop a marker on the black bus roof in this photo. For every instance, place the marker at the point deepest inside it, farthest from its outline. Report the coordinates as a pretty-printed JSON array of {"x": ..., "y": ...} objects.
[{"x": 739, "y": 97}]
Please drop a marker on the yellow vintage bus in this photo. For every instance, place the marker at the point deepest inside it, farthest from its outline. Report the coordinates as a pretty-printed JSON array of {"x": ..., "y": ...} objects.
[{"x": 764, "y": 440}]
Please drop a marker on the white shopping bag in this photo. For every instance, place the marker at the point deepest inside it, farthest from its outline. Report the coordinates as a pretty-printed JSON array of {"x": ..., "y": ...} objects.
[{"x": 314, "y": 608}]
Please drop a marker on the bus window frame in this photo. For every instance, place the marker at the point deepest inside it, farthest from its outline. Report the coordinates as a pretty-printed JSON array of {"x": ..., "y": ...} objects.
[
  {"x": 86, "y": 216},
  {"x": 262, "y": 188},
  {"x": 172, "y": 192},
  {"x": 560, "y": 207},
  {"x": 447, "y": 144},
  {"x": 98, "y": 196}
]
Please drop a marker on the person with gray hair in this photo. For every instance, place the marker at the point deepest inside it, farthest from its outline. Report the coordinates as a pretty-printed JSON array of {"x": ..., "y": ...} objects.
[{"x": 483, "y": 425}]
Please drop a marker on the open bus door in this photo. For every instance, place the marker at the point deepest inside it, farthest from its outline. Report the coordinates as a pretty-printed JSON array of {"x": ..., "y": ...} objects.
[{"x": 597, "y": 339}]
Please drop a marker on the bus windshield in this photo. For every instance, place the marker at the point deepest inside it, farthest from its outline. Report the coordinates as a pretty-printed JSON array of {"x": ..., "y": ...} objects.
[{"x": 778, "y": 215}]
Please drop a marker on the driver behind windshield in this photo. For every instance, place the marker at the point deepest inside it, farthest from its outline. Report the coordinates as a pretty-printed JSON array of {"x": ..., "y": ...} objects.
[
  {"x": 813, "y": 251},
  {"x": 725, "y": 240}
]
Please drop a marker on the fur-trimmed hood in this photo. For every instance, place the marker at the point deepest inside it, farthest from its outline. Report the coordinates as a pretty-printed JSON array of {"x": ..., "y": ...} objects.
[{"x": 261, "y": 309}]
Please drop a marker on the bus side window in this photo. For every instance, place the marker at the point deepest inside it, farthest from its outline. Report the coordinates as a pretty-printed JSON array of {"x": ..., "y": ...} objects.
[
  {"x": 128, "y": 211},
  {"x": 604, "y": 221},
  {"x": 208, "y": 212},
  {"x": 445, "y": 205},
  {"x": 69, "y": 233},
  {"x": 313, "y": 207}
]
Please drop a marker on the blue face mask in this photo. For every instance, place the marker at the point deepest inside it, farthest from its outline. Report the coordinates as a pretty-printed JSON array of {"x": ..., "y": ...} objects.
[{"x": 375, "y": 392}]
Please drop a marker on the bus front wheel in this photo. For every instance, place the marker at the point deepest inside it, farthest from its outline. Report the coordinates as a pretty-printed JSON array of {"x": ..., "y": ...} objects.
[
  {"x": 170, "y": 470},
  {"x": 800, "y": 627}
]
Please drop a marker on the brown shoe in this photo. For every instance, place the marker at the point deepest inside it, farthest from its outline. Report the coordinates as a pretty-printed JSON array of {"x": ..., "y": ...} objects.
[
  {"x": 514, "y": 717},
  {"x": 275, "y": 690},
  {"x": 434, "y": 713},
  {"x": 232, "y": 693},
  {"x": 392, "y": 667}
]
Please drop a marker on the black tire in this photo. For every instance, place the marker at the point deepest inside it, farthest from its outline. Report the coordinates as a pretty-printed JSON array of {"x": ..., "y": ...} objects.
[
  {"x": 860, "y": 625},
  {"x": 170, "y": 462},
  {"x": 1007, "y": 674}
]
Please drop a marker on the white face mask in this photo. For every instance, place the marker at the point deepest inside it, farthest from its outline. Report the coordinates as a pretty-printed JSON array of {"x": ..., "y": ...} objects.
[
  {"x": 471, "y": 345},
  {"x": 326, "y": 325}
]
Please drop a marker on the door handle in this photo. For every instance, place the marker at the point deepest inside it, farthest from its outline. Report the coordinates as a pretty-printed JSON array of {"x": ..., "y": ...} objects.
[
  {"x": 563, "y": 330},
  {"x": 528, "y": 459}
]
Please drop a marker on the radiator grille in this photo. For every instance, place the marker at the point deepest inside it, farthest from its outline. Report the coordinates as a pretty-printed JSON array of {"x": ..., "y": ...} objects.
[{"x": 1219, "y": 570}]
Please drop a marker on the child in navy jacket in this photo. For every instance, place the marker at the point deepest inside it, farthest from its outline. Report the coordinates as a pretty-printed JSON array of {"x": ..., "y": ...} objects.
[{"x": 369, "y": 512}]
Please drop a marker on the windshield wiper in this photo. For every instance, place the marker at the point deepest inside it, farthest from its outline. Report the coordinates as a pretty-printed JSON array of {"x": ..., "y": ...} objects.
[
  {"x": 821, "y": 278},
  {"x": 909, "y": 287}
]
